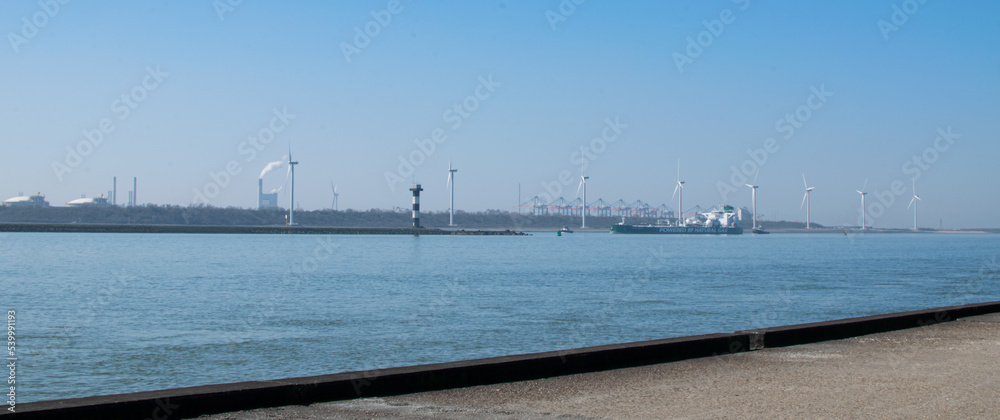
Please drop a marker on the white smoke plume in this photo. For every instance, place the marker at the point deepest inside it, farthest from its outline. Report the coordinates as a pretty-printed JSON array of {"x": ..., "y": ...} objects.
[{"x": 274, "y": 165}]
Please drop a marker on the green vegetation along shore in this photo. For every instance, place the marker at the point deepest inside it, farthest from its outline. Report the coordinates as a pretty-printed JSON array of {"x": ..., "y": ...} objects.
[{"x": 89, "y": 228}]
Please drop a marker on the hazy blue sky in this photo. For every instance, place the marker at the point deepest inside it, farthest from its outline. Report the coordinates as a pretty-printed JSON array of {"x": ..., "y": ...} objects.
[{"x": 216, "y": 74}]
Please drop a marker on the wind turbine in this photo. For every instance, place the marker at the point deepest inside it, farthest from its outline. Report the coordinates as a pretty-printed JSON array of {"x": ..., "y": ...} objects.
[
  {"x": 583, "y": 211},
  {"x": 291, "y": 200},
  {"x": 913, "y": 203},
  {"x": 754, "y": 187},
  {"x": 680, "y": 197},
  {"x": 451, "y": 183},
  {"x": 807, "y": 201},
  {"x": 863, "y": 210},
  {"x": 336, "y": 195}
]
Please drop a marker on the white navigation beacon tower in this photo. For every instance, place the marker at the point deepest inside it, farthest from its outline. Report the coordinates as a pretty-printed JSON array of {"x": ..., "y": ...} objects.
[{"x": 416, "y": 204}]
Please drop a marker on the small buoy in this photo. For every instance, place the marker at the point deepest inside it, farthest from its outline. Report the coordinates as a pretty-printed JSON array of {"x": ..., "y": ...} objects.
[{"x": 558, "y": 233}]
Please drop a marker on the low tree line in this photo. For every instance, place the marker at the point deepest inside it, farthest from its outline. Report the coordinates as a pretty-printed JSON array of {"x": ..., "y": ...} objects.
[{"x": 232, "y": 216}]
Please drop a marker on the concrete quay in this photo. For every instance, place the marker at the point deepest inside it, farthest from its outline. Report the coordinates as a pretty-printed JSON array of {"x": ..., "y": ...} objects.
[
  {"x": 941, "y": 362},
  {"x": 946, "y": 370}
]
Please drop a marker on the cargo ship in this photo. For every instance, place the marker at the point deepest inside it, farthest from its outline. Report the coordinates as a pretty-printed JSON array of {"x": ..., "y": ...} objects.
[{"x": 716, "y": 222}]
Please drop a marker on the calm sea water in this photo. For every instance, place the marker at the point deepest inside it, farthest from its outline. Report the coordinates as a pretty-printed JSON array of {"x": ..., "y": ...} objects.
[{"x": 114, "y": 313}]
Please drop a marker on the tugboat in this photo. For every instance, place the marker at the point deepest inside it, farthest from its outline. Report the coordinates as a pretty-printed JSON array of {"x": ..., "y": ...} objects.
[
  {"x": 717, "y": 222},
  {"x": 565, "y": 229}
]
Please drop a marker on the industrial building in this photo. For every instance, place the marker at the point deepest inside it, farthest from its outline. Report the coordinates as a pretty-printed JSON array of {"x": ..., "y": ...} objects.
[
  {"x": 265, "y": 201},
  {"x": 99, "y": 201},
  {"x": 561, "y": 206},
  {"x": 37, "y": 200}
]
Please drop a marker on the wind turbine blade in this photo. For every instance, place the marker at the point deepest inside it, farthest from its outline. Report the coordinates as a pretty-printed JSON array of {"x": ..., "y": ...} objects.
[
  {"x": 755, "y": 177},
  {"x": 288, "y": 174},
  {"x": 911, "y": 202},
  {"x": 866, "y": 185},
  {"x": 675, "y": 191},
  {"x": 804, "y": 181},
  {"x": 579, "y": 187},
  {"x": 804, "y": 200},
  {"x": 859, "y": 192}
]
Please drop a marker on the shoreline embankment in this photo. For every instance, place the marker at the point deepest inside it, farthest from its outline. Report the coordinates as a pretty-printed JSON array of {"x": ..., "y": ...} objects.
[
  {"x": 222, "y": 398},
  {"x": 255, "y": 230}
]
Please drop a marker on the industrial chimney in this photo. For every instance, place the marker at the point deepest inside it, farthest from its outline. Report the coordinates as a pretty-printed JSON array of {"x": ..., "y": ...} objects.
[{"x": 260, "y": 193}]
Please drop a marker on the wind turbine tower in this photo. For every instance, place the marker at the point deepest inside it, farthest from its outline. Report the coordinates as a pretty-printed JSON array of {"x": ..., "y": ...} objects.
[
  {"x": 291, "y": 199},
  {"x": 754, "y": 187},
  {"x": 336, "y": 195},
  {"x": 913, "y": 203},
  {"x": 679, "y": 193},
  {"x": 864, "y": 211},
  {"x": 807, "y": 201},
  {"x": 451, "y": 183},
  {"x": 583, "y": 211}
]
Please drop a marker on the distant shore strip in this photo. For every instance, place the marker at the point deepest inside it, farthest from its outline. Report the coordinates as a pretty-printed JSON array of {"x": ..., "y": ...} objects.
[{"x": 261, "y": 230}]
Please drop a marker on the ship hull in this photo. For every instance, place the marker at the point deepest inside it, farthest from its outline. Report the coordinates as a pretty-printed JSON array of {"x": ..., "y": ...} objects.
[{"x": 690, "y": 230}]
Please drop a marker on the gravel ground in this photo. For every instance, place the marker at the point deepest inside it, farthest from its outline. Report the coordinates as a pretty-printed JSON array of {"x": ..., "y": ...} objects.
[{"x": 949, "y": 370}]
